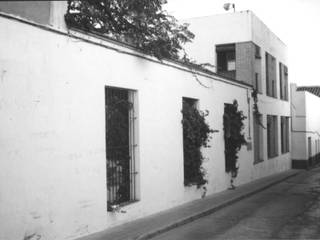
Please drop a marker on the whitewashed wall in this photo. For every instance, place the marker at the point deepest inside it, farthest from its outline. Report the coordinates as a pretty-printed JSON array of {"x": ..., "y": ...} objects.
[
  {"x": 305, "y": 123},
  {"x": 52, "y": 124},
  {"x": 313, "y": 121},
  {"x": 217, "y": 29},
  {"x": 298, "y": 114}
]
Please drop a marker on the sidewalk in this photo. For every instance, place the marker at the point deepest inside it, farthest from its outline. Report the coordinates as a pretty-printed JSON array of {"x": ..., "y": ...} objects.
[{"x": 155, "y": 224}]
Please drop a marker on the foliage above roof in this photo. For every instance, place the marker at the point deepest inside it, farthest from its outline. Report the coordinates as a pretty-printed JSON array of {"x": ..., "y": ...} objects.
[{"x": 141, "y": 23}]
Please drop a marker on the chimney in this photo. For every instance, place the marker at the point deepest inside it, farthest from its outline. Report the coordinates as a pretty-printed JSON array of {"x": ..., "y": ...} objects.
[
  {"x": 49, "y": 13},
  {"x": 57, "y": 11}
]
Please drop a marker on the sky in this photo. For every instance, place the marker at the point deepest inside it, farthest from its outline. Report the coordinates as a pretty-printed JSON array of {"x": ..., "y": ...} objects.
[{"x": 295, "y": 22}]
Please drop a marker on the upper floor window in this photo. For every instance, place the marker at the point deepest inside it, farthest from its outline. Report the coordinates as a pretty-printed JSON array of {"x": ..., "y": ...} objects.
[
  {"x": 226, "y": 60},
  {"x": 271, "y": 76},
  {"x": 257, "y": 52},
  {"x": 283, "y": 78}
]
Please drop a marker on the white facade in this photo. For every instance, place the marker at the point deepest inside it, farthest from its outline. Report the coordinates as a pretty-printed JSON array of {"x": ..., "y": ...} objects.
[
  {"x": 235, "y": 27},
  {"x": 305, "y": 127},
  {"x": 242, "y": 27},
  {"x": 52, "y": 118},
  {"x": 52, "y": 124}
]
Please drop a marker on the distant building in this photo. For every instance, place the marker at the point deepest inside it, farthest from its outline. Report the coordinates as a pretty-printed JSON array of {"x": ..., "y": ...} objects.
[
  {"x": 305, "y": 102},
  {"x": 240, "y": 46}
]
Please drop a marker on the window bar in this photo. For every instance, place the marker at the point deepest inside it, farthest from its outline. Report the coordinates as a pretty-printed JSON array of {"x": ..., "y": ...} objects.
[
  {"x": 120, "y": 151},
  {"x": 132, "y": 148}
]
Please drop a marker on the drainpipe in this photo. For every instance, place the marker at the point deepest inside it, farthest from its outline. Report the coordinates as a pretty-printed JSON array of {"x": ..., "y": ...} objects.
[{"x": 249, "y": 112}]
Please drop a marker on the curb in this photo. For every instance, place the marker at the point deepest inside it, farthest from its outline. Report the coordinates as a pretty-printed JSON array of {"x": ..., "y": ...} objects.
[{"x": 207, "y": 212}]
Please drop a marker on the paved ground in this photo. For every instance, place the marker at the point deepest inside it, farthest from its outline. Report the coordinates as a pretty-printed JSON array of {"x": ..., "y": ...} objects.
[
  {"x": 153, "y": 225},
  {"x": 288, "y": 210}
]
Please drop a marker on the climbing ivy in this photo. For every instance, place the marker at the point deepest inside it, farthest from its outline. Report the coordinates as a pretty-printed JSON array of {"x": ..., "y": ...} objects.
[
  {"x": 233, "y": 136},
  {"x": 256, "y": 112},
  {"x": 196, "y": 134}
]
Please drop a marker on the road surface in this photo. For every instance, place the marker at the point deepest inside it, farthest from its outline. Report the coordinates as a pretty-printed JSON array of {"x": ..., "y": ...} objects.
[{"x": 288, "y": 210}]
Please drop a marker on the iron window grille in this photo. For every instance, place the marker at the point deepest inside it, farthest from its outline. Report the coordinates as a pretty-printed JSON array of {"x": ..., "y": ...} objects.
[{"x": 120, "y": 147}]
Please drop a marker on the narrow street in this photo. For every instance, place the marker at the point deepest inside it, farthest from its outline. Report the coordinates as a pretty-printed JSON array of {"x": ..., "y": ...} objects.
[{"x": 288, "y": 210}]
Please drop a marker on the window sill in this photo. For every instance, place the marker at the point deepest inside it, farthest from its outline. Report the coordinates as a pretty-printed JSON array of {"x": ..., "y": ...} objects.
[
  {"x": 283, "y": 153},
  {"x": 272, "y": 157},
  {"x": 275, "y": 97},
  {"x": 121, "y": 205},
  {"x": 258, "y": 161}
]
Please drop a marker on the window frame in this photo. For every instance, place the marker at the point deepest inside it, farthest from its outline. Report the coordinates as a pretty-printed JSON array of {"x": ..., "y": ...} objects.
[
  {"x": 271, "y": 79},
  {"x": 284, "y": 129},
  {"x": 124, "y": 176},
  {"x": 258, "y": 139},
  {"x": 272, "y": 136},
  {"x": 225, "y": 55}
]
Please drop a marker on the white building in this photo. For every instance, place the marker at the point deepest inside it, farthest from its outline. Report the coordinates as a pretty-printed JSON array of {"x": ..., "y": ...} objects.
[
  {"x": 305, "y": 102},
  {"x": 240, "y": 46},
  {"x": 53, "y": 95}
]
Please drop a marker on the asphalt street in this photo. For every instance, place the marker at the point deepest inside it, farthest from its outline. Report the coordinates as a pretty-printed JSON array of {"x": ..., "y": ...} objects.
[{"x": 288, "y": 210}]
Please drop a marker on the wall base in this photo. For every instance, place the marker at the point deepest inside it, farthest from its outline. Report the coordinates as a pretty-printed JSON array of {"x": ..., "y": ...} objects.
[
  {"x": 314, "y": 160},
  {"x": 305, "y": 164},
  {"x": 300, "y": 164}
]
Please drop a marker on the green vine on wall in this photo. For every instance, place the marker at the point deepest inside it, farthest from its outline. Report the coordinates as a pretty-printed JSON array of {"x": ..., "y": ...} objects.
[
  {"x": 196, "y": 134},
  {"x": 256, "y": 112},
  {"x": 234, "y": 138}
]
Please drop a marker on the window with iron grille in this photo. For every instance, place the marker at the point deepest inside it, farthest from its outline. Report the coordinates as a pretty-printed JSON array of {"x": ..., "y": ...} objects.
[
  {"x": 120, "y": 146},
  {"x": 190, "y": 150}
]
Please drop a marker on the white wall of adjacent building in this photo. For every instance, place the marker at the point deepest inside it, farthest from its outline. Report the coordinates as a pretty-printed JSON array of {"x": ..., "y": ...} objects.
[
  {"x": 52, "y": 124},
  {"x": 298, "y": 114},
  {"x": 305, "y": 124}
]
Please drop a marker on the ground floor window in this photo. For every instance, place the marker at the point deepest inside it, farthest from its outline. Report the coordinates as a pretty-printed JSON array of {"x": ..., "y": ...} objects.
[
  {"x": 272, "y": 136},
  {"x": 120, "y": 144},
  {"x": 196, "y": 134},
  {"x": 233, "y": 126},
  {"x": 191, "y": 150},
  {"x": 284, "y": 134},
  {"x": 258, "y": 138},
  {"x": 309, "y": 147}
]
